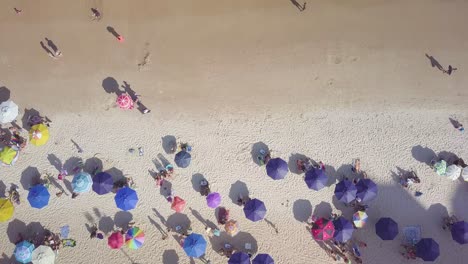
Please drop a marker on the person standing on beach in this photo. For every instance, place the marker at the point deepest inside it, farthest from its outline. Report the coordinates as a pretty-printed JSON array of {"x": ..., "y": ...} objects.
[{"x": 450, "y": 70}]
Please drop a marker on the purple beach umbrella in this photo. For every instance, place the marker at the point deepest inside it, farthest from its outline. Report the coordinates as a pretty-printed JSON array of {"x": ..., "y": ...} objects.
[
  {"x": 213, "y": 200},
  {"x": 255, "y": 210},
  {"x": 427, "y": 249},
  {"x": 345, "y": 191},
  {"x": 316, "y": 179},
  {"x": 239, "y": 258},
  {"x": 263, "y": 259},
  {"x": 343, "y": 229},
  {"x": 103, "y": 183},
  {"x": 277, "y": 168},
  {"x": 460, "y": 232},
  {"x": 366, "y": 190}
]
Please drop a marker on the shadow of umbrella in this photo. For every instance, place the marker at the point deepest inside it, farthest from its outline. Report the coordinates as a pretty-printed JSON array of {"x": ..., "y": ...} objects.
[
  {"x": 29, "y": 177},
  {"x": 116, "y": 174},
  {"x": 423, "y": 154},
  {"x": 238, "y": 242},
  {"x": 238, "y": 188},
  {"x": 4, "y": 94},
  {"x": 323, "y": 209},
  {"x": 71, "y": 163},
  {"x": 302, "y": 210},
  {"x": 28, "y": 113},
  {"x": 178, "y": 219},
  {"x": 256, "y": 151},
  {"x": 169, "y": 144},
  {"x": 196, "y": 179},
  {"x": 170, "y": 257},
  {"x": 110, "y": 86},
  {"x": 122, "y": 218},
  {"x": 92, "y": 164}
]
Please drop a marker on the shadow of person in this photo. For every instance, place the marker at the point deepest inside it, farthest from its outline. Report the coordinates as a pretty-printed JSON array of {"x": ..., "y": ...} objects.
[
  {"x": 163, "y": 160},
  {"x": 238, "y": 188},
  {"x": 49, "y": 52},
  {"x": 423, "y": 154},
  {"x": 160, "y": 229},
  {"x": 256, "y": 148},
  {"x": 72, "y": 164},
  {"x": 455, "y": 123},
  {"x": 202, "y": 220},
  {"x": 169, "y": 144},
  {"x": 161, "y": 218},
  {"x": 29, "y": 177},
  {"x": 122, "y": 218},
  {"x": 54, "y": 161},
  {"x": 435, "y": 63},
  {"x": 302, "y": 210},
  {"x": 112, "y": 31},
  {"x": 196, "y": 179},
  {"x": 110, "y": 86},
  {"x": 28, "y": 113},
  {"x": 4, "y": 94},
  {"x": 170, "y": 257}
]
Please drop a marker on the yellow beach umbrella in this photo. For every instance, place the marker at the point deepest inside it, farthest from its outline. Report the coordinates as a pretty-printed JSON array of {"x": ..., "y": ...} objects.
[
  {"x": 8, "y": 155},
  {"x": 6, "y": 210},
  {"x": 39, "y": 135}
]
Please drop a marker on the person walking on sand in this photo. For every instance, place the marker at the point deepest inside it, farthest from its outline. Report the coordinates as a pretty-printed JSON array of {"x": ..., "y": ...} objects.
[
  {"x": 450, "y": 70},
  {"x": 57, "y": 52}
]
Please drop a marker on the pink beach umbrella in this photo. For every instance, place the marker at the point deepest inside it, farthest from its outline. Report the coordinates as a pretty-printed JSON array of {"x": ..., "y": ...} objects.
[
  {"x": 115, "y": 241},
  {"x": 125, "y": 101}
]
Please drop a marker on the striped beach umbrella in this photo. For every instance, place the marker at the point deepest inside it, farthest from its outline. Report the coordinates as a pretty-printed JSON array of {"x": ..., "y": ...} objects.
[
  {"x": 134, "y": 238},
  {"x": 125, "y": 101},
  {"x": 82, "y": 182},
  {"x": 360, "y": 219},
  {"x": 23, "y": 251}
]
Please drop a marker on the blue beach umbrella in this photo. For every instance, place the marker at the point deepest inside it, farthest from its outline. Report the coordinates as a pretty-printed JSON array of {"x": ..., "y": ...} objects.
[
  {"x": 343, "y": 229},
  {"x": 38, "y": 196},
  {"x": 366, "y": 190},
  {"x": 82, "y": 182},
  {"x": 126, "y": 198},
  {"x": 182, "y": 159},
  {"x": 23, "y": 251},
  {"x": 277, "y": 168},
  {"x": 316, "y": 179},
  {"x": 103, "y": 183},
  {"x": 195, "y": 245},
  {"x": 460, "y": 232},
  {"x": 263, "y": 259},
  {"x": 255, "y": 210},
  {"x": 386, "y": 228},
  {"x": 427, "y": 249},
  {"x": 239, "y": 258},
  {"x": 345, "y": 191}
]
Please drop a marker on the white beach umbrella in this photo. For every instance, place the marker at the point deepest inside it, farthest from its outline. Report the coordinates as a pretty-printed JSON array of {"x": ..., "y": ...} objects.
[
  {"x": 465, "y": 173},
  {"x": 43, "y": 255},
  {"x": 8, "y": 111},
  {"x": 453, "y": 172}
]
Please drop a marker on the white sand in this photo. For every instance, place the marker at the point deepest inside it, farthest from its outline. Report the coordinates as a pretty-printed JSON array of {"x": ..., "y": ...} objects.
[{"x": 335, "y": 82}]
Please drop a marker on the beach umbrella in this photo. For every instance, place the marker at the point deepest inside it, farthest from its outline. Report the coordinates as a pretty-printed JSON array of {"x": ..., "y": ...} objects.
[
  {"x": 386, "y": 228},
  {"x": 38, "y": 196},
  {"x": 366, "y": 190},
  {"x": 125, "y": 101},
  {"x": 8, "y": 156},
  {"x": 465, "y": 173},
  {"x": 343, "y": 229},
  {"x": 239, "y": 258},
  {"x": 23, "y": 251},
  {"x": 6, "y": 209},
  {"x": 263, "y": 259},
  {"x": 460, "y": 232},
  {"x": 323, "y": 229},
  {"x": 213, "y": 199},
  {"x": 82, "y": 182},
  {"x": 39, "y": 135},
  {"x": 232, "y": 227},
  {"x": 277, "y": 168},
  {"x": 43, "y": 255},
  {"x": 103, "y": 183},
  {"x": 178, "y": 204},
  {"x": 427, "y": 249},
  {"x": 134, "y": 238},
  {"x": 360, "y": 219},
  {"x": 453, "y": 172},
  {"x": 126, "y": 198},
  {"x": 255, "y": 210},
  {"x": 440, "y": 167},
  {"x": 194, "y": 245},
  {"x": 182, "y": 159},
  {"x": 8, "y": 112},
  {"x": 316, "y": 179},
  {"x": 115, "y": 240},
  {"x": 345, "y": 191}
]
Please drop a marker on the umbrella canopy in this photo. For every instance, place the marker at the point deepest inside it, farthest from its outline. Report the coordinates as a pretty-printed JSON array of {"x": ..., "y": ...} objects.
[
  {"x": 263, "y": 259},
  {"x": 103, "y": 183},
  {"x": 239, "y": 258},
  {"x": 386, "y": 228},
  {"x": 360, "y": 219},
  {"x": 231, "y": 227},
  {"x": 43, "y": 255},
  {"x": 440, "y": 167},
  {"x": 23, "y": 251},
  {"x": 453, "y": 172},
  {"x": 195, "y": 245},
  {"x": 255, "y": 210},
  {"x": 277, "y": 168},
  {"x": 125, "y": 101},
  {"x": 323, "y": 229},
  {"x": 39, "y": 135},
  {"x": 213, "y": 199},
  {"x": 182, "y": 159},
  {"x": 8, "y": 156},
  {"x": 6, "y": 209},
  {"x": 316, "y": 179},
  {"x": 134, "y": 238},
  {"x": 8, "y": 112},
  {"x": 82, "y": 182},
  {"x": 460, "y": 232},
  {"x": 427, "y": 249},
  {"x": 178, "y": 204},
  {"x": 115, "y": 240},
  {"x": 38, "y": 196},
  {"x": 366, "y": 190},
  {"x": 465, "y": 173},
  {"x": 343, "y": 229},
  {"x": 126, "y": 198},
  {"x": 345, "y": 191}
]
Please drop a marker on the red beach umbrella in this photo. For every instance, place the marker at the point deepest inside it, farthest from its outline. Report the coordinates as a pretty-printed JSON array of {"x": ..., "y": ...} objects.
[{"x": 178, "y": 204}]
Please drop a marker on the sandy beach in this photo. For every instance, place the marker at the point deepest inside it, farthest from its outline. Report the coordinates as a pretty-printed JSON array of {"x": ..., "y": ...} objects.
[{"x": 337, "y": 81}]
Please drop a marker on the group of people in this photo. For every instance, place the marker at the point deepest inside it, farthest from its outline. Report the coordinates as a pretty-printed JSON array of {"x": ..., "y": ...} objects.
[{"x": 347, "y": 252}]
